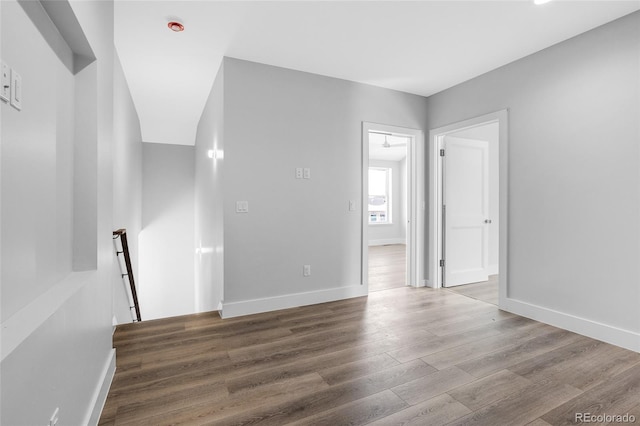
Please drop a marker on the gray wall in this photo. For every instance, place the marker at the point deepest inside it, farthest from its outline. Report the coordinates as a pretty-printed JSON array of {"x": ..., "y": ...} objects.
[
  {"x": 574, "y": 156},
  {"x": 166, "y": 240},
  {"x": 37, "y": 168},
  {"x": 275, "y": 120},
  {"x": 209, "y": 226},
  {"x": 56, "y": 331},
  {"x": 127, "y": 185}
]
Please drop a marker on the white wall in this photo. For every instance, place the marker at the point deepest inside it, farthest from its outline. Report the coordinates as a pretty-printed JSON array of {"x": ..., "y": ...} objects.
[
  {"x": 275, "y": 120},
  {"x": 166, "y": 241},
  {"x": 56, "y": 330},
  {"x": 574, "y": 188},
  {"x": 37, "y": 168},
  {"x": 395, "y": 232},
  {"x": 127, "y": 186},
  {"x": 489, "y": 133},
  {"x": 209, "y": 229}
]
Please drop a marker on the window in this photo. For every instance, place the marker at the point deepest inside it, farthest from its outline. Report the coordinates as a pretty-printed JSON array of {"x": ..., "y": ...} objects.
[{"x": 379, "y": 195}]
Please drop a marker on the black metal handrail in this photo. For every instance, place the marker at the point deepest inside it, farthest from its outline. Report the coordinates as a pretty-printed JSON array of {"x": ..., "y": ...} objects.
[{"x": 122, "y": 234}]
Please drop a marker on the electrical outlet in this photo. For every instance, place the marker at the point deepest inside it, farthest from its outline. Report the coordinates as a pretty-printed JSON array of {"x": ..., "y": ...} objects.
[
  {"x": 307, "y": 173},
  {"x": 298, "y": 172},
  {"x": 306, "y": 271},
  {"x": 53, "y": 421}
]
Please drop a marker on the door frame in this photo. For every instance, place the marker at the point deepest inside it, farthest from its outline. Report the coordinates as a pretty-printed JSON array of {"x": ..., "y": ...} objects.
[
  {"x": 436, "y": 137},
  {"x": 415, "y": 201}
]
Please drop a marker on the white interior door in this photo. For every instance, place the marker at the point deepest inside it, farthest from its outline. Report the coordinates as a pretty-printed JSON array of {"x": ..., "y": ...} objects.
[{"x": 465, "y": 211}]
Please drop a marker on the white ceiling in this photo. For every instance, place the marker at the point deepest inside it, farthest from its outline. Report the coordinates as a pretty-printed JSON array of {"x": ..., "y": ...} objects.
[
  {"x": 396, "y": 151},
  {"x": 419, "y": 47}
]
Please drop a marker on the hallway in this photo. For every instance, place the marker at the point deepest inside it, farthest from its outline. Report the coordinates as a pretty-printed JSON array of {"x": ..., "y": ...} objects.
[
  {"x": 357, "y": 362},
  {"x": 387, "y": 267}
]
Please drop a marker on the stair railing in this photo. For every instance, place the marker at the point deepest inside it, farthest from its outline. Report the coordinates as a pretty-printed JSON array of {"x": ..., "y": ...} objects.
[{"x": 122, "y": 234}]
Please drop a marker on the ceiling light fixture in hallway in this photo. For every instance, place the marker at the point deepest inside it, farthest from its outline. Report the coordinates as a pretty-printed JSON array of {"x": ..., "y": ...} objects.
[{"x": 175, "y": 26}]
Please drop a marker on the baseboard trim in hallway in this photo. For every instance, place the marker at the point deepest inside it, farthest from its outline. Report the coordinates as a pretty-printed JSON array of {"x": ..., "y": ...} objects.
[
  {"x": 616, "y": 336},
  {"x": 268, "y": 304},
  {"x": 102, "y": 391}
]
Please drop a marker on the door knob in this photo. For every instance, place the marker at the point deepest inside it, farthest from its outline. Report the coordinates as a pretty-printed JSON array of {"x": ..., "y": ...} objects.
[{"x": 487, "y": 221}]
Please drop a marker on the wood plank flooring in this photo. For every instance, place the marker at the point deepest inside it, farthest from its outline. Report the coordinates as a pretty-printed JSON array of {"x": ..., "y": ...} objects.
[
  {"x": 402, "y": 356},
  {"x": 487, "y": 291},
  {"x": 387, "y": 267}
]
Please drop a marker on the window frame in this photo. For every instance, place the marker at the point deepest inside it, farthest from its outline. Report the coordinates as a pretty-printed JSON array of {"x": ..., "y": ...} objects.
[{"x": 389, "y": 194}]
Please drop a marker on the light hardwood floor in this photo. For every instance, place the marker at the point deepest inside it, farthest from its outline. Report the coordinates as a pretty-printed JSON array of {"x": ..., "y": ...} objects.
[
  {"x": 487, "y": 291},
  {"x": 387, "y": 267},
  {"x": 402, "y": 356}
]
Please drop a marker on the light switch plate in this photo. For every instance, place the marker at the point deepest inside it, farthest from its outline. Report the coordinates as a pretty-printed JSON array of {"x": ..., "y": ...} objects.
[
  {"x": 5, "y": 82},
  {"x": 242, "y": 207},
  {"x": 307, "y": 173},
  {"x": 16, "y": 90}
]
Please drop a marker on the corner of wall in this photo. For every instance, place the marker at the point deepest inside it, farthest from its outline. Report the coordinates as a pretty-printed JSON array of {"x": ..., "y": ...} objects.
[
  {"x": 67, "y": 343},
  {"x": 209, "y": 221}
]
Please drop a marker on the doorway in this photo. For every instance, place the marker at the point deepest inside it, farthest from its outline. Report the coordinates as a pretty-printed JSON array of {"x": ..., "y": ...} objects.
[
  {"x": 393, "y": 206},
  {"x": 387, "y": 208},
  {"x": 468, "y": 207}
]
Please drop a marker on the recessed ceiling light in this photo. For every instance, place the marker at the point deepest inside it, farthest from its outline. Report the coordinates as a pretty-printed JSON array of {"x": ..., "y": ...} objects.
[
  {"x": 541, "y": 1},
  {"x": 175, "y": 26}
]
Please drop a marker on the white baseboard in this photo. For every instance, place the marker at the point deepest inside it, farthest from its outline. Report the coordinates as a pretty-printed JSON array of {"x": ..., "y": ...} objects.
[
  {"x": 268, "y": 304},
  {"x": 493, "y": 269},
  {"x": 387, "y": 241},
  {"x": 616, "y": 336},
  {"x": 102, "y": 390}
]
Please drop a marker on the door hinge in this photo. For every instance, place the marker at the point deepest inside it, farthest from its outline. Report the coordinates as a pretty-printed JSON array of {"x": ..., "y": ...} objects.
[
  {"x": 442, "y": 263},
  {"x": 442, "y": 153}
]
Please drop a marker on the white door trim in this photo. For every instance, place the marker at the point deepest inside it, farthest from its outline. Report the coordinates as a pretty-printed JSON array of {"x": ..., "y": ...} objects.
[
  {"x": 435, "y": 196},
  {"x": 416, "y": 198}
]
